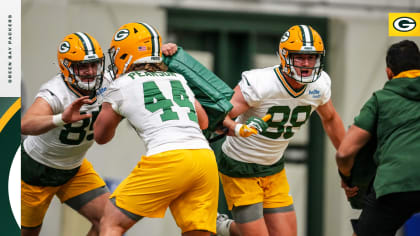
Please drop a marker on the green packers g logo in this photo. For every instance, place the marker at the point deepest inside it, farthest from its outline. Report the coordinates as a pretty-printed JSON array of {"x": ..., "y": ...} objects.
[
  {"x": 64, "y": 47},
  {"x": 404, "y": 24},
  {"x": 122, "y": 34}
]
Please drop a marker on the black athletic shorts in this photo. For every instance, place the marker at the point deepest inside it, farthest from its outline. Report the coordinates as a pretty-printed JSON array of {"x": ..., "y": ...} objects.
[{"x": 384, "y": 216}]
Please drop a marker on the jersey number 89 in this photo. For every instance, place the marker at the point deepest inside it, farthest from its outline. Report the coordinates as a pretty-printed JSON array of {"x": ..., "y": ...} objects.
[{"x": 288, "y": 115}]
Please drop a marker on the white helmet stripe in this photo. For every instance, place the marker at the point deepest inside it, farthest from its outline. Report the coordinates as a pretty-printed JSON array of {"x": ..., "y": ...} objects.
[
  {"x": 87, "y": 43},
  {"x": 155, "y": 39},
  {"x": 307, "y": 37}
]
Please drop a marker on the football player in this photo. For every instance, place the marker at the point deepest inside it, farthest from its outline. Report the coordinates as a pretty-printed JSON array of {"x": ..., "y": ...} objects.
[
  {"x": 252, "y": 168},
  {"x": 179, "y": 169},
  {"x": 59, "y": 125}
]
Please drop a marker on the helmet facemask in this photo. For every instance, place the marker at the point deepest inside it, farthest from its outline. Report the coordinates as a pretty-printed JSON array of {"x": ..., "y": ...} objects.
[
  {"x": 290, "y": 67},
  {"x": 80, "y": 76},
  {"x": 113, "y": 68}
]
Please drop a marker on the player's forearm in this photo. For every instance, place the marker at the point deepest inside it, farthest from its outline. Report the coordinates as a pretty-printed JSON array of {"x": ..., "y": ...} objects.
[
  {"x": 103, "y": 129},
  {"x": 36, "y": 125},
  {"x": 230, "y": 124},
  {"x": 106, "y": 124},
  {"x": 203, "y": 119},
  {"x": 344, "y": 163},
  {"x": 335, "y": 130},
  {"x": 103, "y": 135}
]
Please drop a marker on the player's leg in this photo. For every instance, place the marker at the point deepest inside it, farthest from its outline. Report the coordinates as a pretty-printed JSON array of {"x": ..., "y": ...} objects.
[
  {"x": 245, "y": 196},
  {"x": 35, "y": 201},
  {"x": 195, "y": 210},
  {"x": 249, "y": 220},
  {"x": 39, "y": 184},
  {"x": 234, "y": 230},
  {"x": 226, "y": 226},
  {"x": 87, "y": 194},
  {"x": 30, "y": 231},
  {"x": 282, "y": 223},
  {"x": 196, "y": 233},
  {"x": 279, "y": 213},
  {"x": 91, "y": 205},
  {"x": 146, "y": 192},
  {"x": 116, "y": 221}
]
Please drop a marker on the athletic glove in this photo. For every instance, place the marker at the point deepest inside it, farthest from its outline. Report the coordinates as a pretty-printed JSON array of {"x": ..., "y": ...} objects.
[{"x": 254, "y": 125}]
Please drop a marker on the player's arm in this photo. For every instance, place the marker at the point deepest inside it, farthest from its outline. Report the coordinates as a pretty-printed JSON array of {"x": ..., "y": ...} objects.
[
  {"x": 203, "y": 119},
  {"x": 254, "y": 125},
  {"x": 332, "y": 123},
  {"x": 106, "y": 123},
  {"x": 354, "y": 140},
  {"x": 40, "y": 118},
  {"x": 239, "y": 106}
]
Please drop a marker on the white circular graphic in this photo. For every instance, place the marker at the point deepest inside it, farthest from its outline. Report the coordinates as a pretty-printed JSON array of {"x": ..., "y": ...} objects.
[
  {"x": 64, "y": 47},
  {"x": 122, "y": 34},
  {"x": 404, "y": 24},
  {"x": 14, "y": 187}
]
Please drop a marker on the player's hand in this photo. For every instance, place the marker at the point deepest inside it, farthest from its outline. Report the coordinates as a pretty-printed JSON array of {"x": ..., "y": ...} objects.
[
  {"x": 349, "y": 191},
  {"x": 257, "y": 123},
  {"x": 254, "y": 125},
  {"x": 72, "y": 113},
  {"x": 169, "y": 49}
]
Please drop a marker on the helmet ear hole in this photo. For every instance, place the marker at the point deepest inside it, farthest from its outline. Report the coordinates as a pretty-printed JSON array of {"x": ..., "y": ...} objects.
[
  {"x": 122, "y": 57},
  {"x": 135, "y": 30}
]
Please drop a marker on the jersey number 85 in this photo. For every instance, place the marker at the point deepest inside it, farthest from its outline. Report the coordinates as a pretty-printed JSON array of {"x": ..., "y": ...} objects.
[{"x": 75, "y": 133}]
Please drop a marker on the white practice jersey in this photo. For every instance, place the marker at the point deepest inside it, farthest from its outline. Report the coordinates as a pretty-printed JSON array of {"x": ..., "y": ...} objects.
[
  {"x": 64, "y": 147},
  {"x": 267, "y": 92},
  {"x": 160, "y": 107}
]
